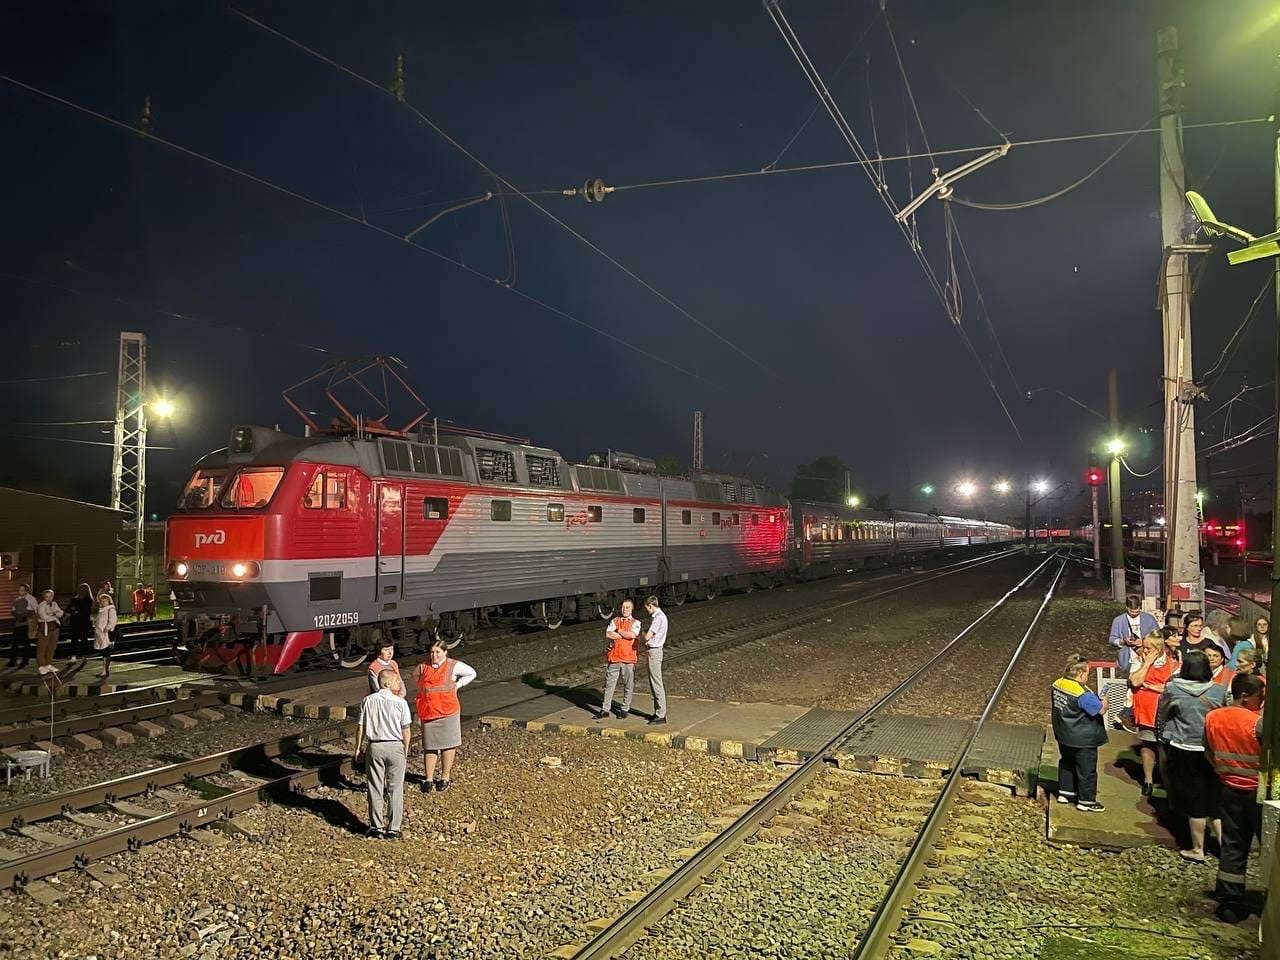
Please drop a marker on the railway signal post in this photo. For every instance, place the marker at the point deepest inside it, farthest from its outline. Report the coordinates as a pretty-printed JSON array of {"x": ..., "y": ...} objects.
[{"x": 1095, "y": 480}]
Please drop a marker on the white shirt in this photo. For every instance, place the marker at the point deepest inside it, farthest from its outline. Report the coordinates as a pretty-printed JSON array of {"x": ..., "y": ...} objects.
[
  {"x": 383, "y": 716},
  {"x": 657, "y": 631},
  {"x": 48, "y": 611},
  {"x": 462, "y": 674}
]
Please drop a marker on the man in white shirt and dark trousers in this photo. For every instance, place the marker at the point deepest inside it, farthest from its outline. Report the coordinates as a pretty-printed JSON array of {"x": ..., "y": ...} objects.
[
  {"x": 386, "y": 726},
  {"x": 655, "y": 638}
]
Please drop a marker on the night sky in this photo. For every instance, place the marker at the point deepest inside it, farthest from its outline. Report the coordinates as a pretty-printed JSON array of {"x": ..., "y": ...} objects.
[{"x": 814, "y": 332}]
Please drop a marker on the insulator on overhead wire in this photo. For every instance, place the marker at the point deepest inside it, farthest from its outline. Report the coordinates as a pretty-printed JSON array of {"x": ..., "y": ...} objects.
[
  {"x": 593, "y": 191},
  {"x": 143, "y": 123},
  {"x": 399, "y": 85}
]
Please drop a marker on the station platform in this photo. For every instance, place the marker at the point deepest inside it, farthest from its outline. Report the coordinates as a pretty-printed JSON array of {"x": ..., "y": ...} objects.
[
  {"x": 83, "y": 679},
  {"x": 1130, "y": 819}
]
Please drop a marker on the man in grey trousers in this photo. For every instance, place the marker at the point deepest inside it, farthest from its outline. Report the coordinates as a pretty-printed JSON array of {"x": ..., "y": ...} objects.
[
  {"x": 655, "y": 638},
  {"x": 386, "y": 726}
]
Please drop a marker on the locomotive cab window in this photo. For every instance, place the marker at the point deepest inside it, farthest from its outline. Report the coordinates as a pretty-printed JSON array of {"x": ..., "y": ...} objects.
[
  {"x": 435, "y": 508},
  {"x": 499, "y": 509},
  {"x": 595, "y": 514},
  {"x": 555, "y": 512},
  {"x": 637, "y": 515},
  {"x": 327, "y": 492},
  {"x": 251, "y": 488},
  {"x": 201, "y": 491}
]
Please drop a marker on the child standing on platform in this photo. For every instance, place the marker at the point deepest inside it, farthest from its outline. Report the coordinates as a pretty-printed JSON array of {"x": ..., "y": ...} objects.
[{"x": 1079, "y": 729}]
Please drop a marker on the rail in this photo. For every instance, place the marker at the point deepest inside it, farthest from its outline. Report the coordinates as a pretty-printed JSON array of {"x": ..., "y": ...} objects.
[{"x": 627, "y": 928}]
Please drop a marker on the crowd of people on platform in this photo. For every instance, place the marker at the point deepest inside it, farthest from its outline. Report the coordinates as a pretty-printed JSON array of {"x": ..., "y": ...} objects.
[
  {"x": 90, "y": 621},
  {"x": 386, "y": 721},
  {"x": 1192, "y": 699}
]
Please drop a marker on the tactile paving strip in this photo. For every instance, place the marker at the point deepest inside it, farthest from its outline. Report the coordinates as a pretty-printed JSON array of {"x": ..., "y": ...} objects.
[{"x": 806, "y": 735}]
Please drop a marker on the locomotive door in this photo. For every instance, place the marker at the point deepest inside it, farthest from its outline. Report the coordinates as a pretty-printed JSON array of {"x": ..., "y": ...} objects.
[{"x": 390, "y": 545}]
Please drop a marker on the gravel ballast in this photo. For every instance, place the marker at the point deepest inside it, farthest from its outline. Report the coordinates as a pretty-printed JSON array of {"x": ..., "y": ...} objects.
[{"x": 508, "y": 863}]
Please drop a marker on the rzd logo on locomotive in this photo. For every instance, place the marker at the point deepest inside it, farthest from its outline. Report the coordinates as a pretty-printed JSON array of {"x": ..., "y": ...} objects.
[{"x": 211, "y": 539}]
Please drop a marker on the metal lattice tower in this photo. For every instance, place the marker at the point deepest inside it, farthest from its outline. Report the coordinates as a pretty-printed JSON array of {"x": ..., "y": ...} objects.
[
  {"x": 129, "y": 455},
  {"x": 697, "y": 442}
]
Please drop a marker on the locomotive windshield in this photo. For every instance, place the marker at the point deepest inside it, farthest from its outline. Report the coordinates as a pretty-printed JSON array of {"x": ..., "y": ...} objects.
[
  {"x": 251, "y": 487},
  {"x": 201, "y": 491}
]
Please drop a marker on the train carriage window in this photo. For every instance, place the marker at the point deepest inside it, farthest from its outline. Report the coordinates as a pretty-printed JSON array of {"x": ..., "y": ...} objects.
[
  {"x": 637, "y": 515},
  {"x": 686, "y": 518},
  {"x": 499, "y": 509},
  {"x": 595, "y": 514},
  {"x": 715, "y": 519},
  {"x": 555, "y": 512},
  {"x": 335, "y": 492},
  {"x": 737, "y": 519},
  {"x": 435, "y": 508},
  {"x": 755, "y": 519},
  {"x": 313, "y": 499},
  {"x": 252, "y": 488}
]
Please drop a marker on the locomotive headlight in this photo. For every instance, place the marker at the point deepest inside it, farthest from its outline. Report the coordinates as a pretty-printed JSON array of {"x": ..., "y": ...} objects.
[
  {"x": 239, "y": 569},
  {"x": 177, "y": 570},
  {"x": 180, "y": 569},
  {"x": 244, "y": 568}
]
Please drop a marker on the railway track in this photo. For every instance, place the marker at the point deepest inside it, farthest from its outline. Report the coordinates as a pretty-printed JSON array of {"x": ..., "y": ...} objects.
[
  {"x": 70, "y": 830},
  {"x": 618, "y": 934}
]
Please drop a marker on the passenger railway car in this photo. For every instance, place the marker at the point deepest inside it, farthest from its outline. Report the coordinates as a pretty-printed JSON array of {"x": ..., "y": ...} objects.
[
  {"x": 284, "y": 544},
  {"x": 830, "y": 538}
]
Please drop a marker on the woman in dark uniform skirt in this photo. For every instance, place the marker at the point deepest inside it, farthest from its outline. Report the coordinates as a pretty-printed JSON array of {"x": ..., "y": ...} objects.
[{"x": 440, "y": 713}]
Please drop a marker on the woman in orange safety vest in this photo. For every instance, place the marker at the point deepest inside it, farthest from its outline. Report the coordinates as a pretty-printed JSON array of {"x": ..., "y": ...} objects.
[
  {"x": 440, "y": 713},
  {"x": 385, "y": 661}
]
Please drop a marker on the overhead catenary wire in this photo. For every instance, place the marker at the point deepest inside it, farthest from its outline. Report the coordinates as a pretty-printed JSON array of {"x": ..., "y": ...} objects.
[
  {"x": 91, "y": 443},
  {"x": 61, "y": 376},
  {"x": 1125, "y": 463},
  {"x": 855, "y": 145},
  {"x": 319, "y": 205},
  {"x": 444, "y": 135}
]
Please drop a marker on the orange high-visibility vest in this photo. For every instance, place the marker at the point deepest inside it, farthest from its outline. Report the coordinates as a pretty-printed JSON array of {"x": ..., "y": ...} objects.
[
  {"x": 376, "y": 668},
  {"x": 437, "y": 692},
  {"x": 624, "y": 650},
  {"x": 1230, "y": 733}
]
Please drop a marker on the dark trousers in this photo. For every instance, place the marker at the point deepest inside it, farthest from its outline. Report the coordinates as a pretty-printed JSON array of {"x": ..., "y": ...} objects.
[
  {"x": 1241, "y": 822},
  {"x": 1078, "y": 772},
  {"x": 20, "y": 645}
]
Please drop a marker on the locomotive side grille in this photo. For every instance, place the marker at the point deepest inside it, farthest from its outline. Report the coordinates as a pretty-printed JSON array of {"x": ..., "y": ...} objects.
[
  {"x": 400, "y": 456},
  {"x": 495, "y": 466},
  {"x": 543, "y": 471},
  {"x": 598, "y": 478},
  {"x": 747, "y": 493},
  {"x": 707, "y": 490}
]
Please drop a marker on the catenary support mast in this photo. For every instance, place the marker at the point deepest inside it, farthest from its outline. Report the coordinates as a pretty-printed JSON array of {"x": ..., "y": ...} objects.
[
  {"x": 1182, "y": 555},
  {"x": 129, "y": 457}
]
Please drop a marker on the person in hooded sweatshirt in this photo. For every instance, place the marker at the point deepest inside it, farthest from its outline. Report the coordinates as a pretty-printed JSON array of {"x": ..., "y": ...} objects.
[{"x": 1188, "y": 777}]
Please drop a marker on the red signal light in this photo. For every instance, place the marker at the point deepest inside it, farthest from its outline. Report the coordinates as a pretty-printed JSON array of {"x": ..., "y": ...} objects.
[
  {"x": 1239, "y": 541},
  {"x": 1094, "y": 477}
]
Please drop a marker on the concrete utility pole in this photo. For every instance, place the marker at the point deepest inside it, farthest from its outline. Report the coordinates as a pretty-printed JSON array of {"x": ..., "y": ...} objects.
[
  {"x": 697, "y": 442},
  {"x": 1182, "y": 553},
  {"x": 1113, "y": 486},
  {"x": 1097, "y": 534},
  {"x": 1269, "y": 784}
]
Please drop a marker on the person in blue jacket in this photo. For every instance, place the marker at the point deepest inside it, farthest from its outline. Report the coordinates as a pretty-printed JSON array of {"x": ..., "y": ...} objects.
[
  {"x": 1079, "y": 729},
  {"x": 1128, "y": 629}
]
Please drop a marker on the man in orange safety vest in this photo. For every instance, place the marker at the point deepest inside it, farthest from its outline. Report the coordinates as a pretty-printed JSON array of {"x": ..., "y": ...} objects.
[{"x": 1232, "y": 746}]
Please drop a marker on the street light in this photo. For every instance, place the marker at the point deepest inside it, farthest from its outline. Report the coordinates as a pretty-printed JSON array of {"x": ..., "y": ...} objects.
[
  {"x": 927, "y": 489},
  {"x": 966, "y": 488},
  {"x": 162, "y": 408},
  {"x": 1002, "y": 486},
  {"x": 1115, "y": 446},
  {"x": 1040, "y": 486},
  {"x": 853, "y": 500}
]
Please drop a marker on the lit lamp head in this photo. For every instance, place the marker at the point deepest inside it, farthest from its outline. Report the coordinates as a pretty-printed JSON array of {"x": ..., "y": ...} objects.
[
  {"x": 966, "y": 488},
  {"x": 1115, "y": 446},
  {"x": 162, "y": 408},
  {"x": 1040, "y": 486},
  {"x": 927, "y": 489},
  {"x": 853, "y": 500},
  {"x": 1002, "y": 486}
]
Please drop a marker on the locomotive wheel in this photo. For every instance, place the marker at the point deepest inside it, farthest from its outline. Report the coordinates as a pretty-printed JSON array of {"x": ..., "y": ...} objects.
[
  {"x": 549, "y": 617},
  {"x": 710, "y": 590},
  {"x": 604, "y": 611},
  {"x": 447, "y": 630},
  {"x": 350, "y": 652},
  {"x": 677, "y": 597}
]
